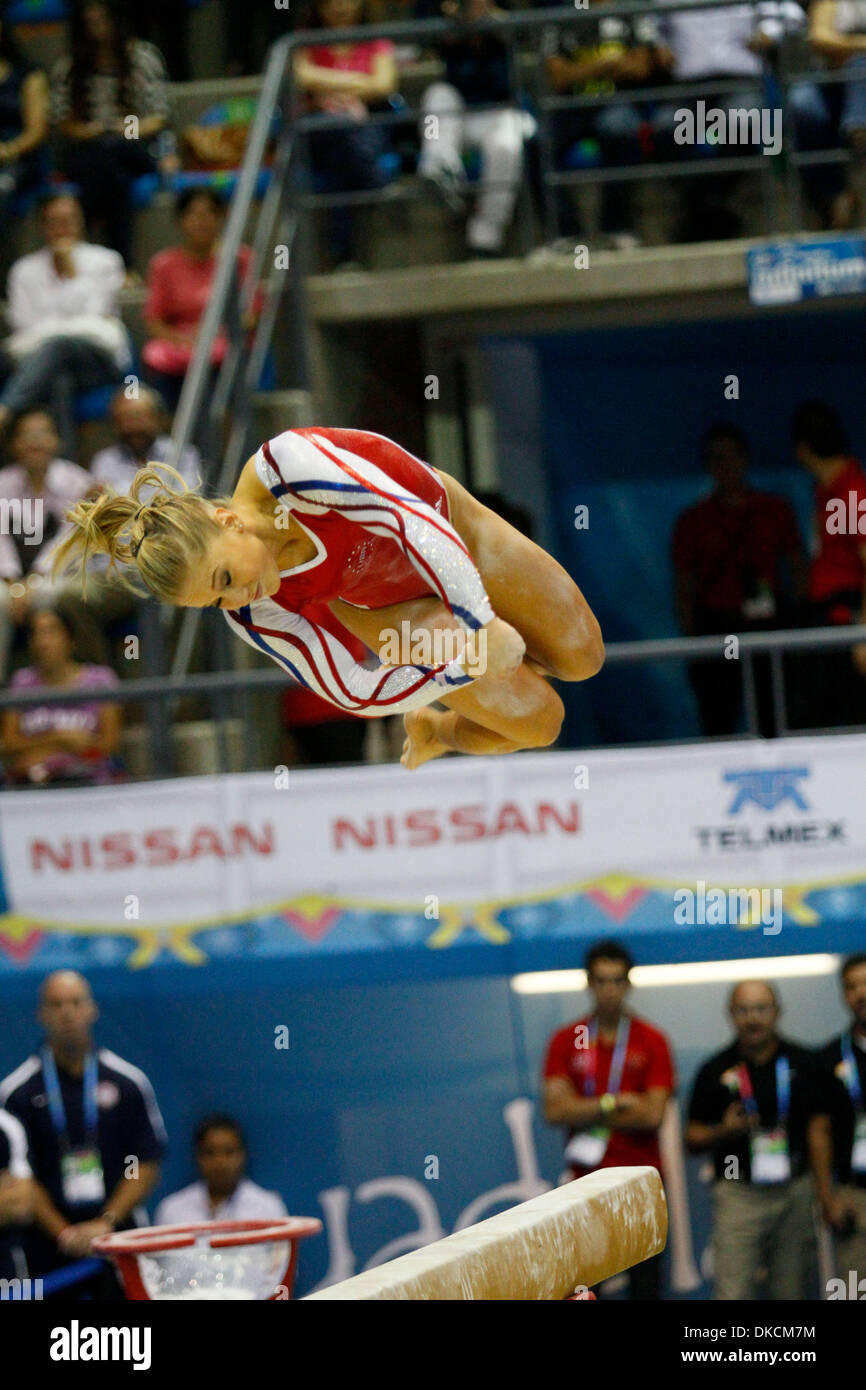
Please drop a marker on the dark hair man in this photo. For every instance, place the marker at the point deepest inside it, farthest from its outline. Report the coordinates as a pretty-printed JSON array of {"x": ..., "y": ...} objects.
[{"x": 607, "y": 1080}]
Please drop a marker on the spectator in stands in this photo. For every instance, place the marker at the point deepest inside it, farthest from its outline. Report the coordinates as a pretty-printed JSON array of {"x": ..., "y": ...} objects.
[
  {"x": 223, "y": 1192},
  {"x": 23, "y": 123},
  {"x": 728, "y": 49},
  {"x": 73, "y": 745},
  {"x": 477, "y": 75},
  {"x": 139, "y": 423},
  {"x": 36, "y": 490},
  {"x": 750, "y": 1108},
  {"x": 607, "y": 1079},
  {"x": 346, "y": 81},
  {"x": 110, "y": 105},
  {"x": 837, "y": 1137},
  {"x": 179, "y": 283},
  {"x": 837, "y": 31},
  {"x": 63, "y": 309},
  {"x": 16, "y": 1196},
  {"x": 94, "y": 1130},
  {"x": 593, "y": 57},
  {"x": 829, "y": 690},
  {"x": 739, "y": 566}
]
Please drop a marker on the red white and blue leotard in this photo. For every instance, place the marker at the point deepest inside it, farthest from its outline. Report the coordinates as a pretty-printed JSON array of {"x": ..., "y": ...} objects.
[{"x": 379, "y": 518}]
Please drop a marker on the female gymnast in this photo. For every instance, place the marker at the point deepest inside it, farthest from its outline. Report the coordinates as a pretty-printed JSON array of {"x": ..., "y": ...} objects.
[{"x": 332, "y": 530}]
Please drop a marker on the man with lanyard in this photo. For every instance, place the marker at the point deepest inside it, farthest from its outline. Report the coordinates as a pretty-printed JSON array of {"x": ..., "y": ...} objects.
[
  {"x": 94, "y": 1131},
  {"x": 837, "y": 1138},
  {"x": 750, "y": 1107},
  {"x": 607, "y": 1078}
]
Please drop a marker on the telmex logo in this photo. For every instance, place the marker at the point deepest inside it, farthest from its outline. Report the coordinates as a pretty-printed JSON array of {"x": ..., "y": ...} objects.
[{"x": 767, "y": 788}]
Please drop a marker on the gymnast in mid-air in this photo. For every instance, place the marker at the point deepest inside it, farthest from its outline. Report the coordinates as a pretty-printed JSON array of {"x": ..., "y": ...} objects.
[{"x": 333, "y": 531}]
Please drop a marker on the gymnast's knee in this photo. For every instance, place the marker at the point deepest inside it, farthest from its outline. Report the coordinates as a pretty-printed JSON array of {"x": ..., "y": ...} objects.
[
  {"x": 544, "y": 729},
  {"x": 581, "y": 654}
]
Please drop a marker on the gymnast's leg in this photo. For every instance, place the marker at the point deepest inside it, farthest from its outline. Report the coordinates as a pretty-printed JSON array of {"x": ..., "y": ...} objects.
[{"x": 492, "y": 715}]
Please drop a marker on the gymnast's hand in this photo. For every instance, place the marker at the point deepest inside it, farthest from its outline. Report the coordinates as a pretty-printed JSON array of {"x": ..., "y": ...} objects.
[{"x": 505, "y": 649}]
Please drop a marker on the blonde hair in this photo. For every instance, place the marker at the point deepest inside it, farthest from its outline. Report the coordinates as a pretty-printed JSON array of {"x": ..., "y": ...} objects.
[{"x": 161, "y": 537}]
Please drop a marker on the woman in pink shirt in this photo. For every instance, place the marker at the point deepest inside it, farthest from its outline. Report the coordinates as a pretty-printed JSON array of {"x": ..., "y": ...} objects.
[
  {"x": 346, "y": 80},
  {"x": 179, "y": 283},
  {"x": 71, "y": 744}
]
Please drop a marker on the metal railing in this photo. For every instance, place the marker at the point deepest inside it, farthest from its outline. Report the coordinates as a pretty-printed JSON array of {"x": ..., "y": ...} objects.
[{"x": 158, "y": 694}]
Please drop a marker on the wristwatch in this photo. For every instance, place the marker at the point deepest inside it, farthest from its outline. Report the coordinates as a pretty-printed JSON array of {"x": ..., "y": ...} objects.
[{"x": 607, "y": 1104}]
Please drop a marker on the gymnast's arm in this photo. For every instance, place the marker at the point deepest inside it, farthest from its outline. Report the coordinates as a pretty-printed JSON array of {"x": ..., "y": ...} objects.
[{"x": 317, "y": 659}]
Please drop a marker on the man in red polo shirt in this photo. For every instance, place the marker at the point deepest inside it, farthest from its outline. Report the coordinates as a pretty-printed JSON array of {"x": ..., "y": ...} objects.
[
  {"x": 607, "y": 1079},
  {"x": 831, "y": 690},
  {"x": 739, "y": 566}
]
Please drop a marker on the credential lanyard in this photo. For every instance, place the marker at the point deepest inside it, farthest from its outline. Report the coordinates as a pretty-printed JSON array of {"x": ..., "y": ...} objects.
[
  {"x": 617, "y": 1061},
  {"x": 851, "y": 1076},
  {"x": 783, "y": 1090},
  {"x": 55, "y": 1099}
]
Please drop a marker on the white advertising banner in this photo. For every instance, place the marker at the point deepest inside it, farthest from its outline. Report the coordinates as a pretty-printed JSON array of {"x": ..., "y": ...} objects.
[{"x": 466, "y": 830}]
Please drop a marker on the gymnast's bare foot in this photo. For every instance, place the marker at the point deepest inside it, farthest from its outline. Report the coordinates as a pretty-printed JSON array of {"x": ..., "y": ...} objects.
[{"x": 421, "y": 743}]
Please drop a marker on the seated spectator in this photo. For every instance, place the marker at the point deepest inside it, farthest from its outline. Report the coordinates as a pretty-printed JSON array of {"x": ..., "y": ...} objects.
[
  {"x": 726, "y": 49},
  {"x": 476, "y": 75},
  {"x": 830, "y": 688},
  {"x": 108, "y": 80},
  {"x": 16, "y": 1196},
  {"x": 837, "y": 31},
  {"x": 73, "y": 745},
  {"x": 63, "y": 308},
  {"x": 23, "y": 123},
  {"x": 730, "y": 554},
  {"x": 591, "y": 58},
  {"x": 223, "y": 1193},
  {"x": 346, "y": 81},
  {"x": 179, "y": 283},
  {"x": 36, "y": 489},
  {"x": 139, "y": 427}
]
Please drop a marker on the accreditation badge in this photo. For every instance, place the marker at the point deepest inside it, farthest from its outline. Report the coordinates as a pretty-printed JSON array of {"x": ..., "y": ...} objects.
[
  {"x": 587, "y": 1150},
  {"x": 858, "y": 1149},
  {"x": 771, "y": 1160},
  {"x": 83, "y": 1178}
]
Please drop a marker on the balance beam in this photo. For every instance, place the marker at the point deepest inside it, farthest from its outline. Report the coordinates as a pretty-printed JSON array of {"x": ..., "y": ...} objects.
[{"x": 574, "y": 1235}]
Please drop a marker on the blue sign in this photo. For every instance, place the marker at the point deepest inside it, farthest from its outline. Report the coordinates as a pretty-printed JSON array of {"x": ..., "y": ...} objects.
[
  {"x": 787, "y": 272},
  {"x": 767, "y": 788}
]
